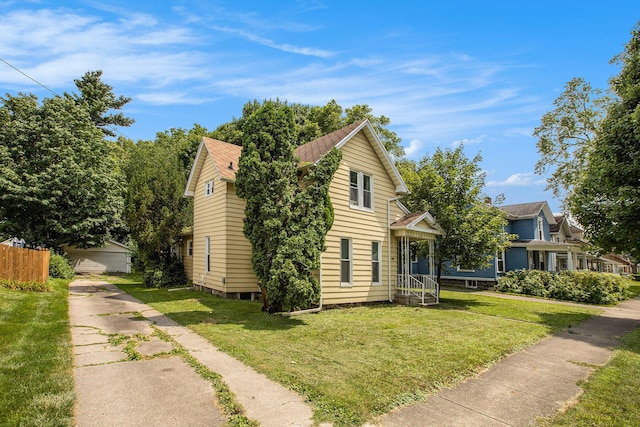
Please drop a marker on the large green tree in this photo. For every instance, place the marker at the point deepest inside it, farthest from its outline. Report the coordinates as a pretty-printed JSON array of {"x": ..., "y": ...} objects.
[
  {"x": 449, "y": 186},
  {"x": 566, "y": 134},
  {"x": 98, "y": 99},
  {"x": 606, "y": 196},
  {"x": 288, "y": 211},
  {"x": 311, "y": 122},
  {"x": 59, "y": 183},
  {"x": 156, "y": 209}
]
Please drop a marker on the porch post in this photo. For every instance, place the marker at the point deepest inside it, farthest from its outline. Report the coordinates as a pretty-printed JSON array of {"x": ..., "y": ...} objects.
[
  {"x": 569, "y": 260},
  {"x": 431, "y": 263}
]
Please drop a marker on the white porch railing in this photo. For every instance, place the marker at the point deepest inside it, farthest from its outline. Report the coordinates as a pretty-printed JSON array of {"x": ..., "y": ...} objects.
[{"x": 420, "y": 285}]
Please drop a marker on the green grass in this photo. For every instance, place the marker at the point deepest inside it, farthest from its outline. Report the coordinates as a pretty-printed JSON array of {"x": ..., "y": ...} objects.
[
  {"x": 355, "y": 363},
  {"x": 36, "y": 371},
  {"x": 611, "y": 394}
]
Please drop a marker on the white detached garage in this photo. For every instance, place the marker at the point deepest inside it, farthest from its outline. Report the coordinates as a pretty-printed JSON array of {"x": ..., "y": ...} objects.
[{"x": 112, "y": 258}]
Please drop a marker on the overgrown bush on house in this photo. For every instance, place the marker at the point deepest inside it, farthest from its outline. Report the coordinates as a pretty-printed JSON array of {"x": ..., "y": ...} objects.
[
  {"x": 60, "y": 267},
  {"x": 166, "y": 274},
  {"x": 579, "y": 286}
]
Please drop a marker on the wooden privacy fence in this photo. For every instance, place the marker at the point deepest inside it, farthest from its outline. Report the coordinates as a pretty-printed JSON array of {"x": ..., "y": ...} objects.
[{"x": 24, "y": 265}]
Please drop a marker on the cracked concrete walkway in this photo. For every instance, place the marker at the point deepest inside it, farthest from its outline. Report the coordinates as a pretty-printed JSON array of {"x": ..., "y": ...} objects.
[
  {"x": 535, "y": 382},
  {"x": 110, "y": 327}
]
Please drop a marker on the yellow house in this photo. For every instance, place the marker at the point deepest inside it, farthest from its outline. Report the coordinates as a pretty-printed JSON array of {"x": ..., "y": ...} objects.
[{"x": 367, "y": 257}]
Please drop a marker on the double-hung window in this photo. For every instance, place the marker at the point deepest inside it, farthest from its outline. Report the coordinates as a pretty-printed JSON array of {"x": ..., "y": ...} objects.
[
  {"x": 540, "y": 229},
  {"x": 345, "y": 261},
  {"x": 360, "y": 190},
  {"x": 376, "y": 255},
  {"x": 208, "y": 188},
  {"x": 500, "y": 262}
]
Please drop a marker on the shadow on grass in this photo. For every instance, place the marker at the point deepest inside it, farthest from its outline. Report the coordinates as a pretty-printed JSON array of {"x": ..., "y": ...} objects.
[{"x": 190, "y": 308}]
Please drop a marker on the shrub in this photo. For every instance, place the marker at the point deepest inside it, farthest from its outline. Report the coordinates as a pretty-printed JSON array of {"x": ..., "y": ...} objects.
[
  {"x": 162, "y": 275},
  {"x": 580, "y": 286},
  {"x": 60, "y": 267}
]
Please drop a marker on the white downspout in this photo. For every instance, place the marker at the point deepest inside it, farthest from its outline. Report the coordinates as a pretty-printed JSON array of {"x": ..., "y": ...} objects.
[{"x": 393, "y": 199}]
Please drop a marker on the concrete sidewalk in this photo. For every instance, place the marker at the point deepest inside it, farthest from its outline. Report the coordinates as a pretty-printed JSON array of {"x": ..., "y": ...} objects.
[
  {"x": 161, "y": 389},
  {"x": 535, "y": 382}
]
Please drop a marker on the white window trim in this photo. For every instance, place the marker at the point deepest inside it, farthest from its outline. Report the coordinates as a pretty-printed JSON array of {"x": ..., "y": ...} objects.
[
  {"x": 350, "y": 259},
  {"x": 471, "y": 284},
  {"x": 360, "y": 202},
  {"x": 189, "y": 248},
  {"x": 208, "y": 188},
  {"x": 465, "y": 270},
  {"x": 207, "y": 254},
  {"x": 379, "y": 261},
  {"x": 540, "y": 229},
  {"x": 501, "y": 256}
]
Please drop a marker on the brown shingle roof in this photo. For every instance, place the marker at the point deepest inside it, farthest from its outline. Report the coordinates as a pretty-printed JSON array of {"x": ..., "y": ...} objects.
[
  {"x": 555, "y": 228},
  {"x": 312, "y": 151},
  {"x": 407, "y": 219},
  {"x": 225, "y": 157},
  {"x": 523, "y": 209}
]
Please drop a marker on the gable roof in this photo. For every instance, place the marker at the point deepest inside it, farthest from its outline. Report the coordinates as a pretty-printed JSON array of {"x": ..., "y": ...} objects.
[
  {"x": 555, "y": 228},
  {"x": 226, "y": 156},
  {"x": 313, "y": 151},
  {"x": 412, "y": 221},
  {"x": 528, "y": 210}
]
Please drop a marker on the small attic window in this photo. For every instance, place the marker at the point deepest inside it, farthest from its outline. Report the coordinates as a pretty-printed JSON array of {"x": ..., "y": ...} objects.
[{"x": 208, "y": 188}]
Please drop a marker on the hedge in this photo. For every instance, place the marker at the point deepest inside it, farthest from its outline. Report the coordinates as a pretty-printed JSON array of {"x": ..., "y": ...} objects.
[{"x": 579, "y": 286}]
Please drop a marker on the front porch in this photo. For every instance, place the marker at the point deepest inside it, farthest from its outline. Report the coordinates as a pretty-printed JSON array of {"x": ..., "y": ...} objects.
[{"x": 414, "y": 287}]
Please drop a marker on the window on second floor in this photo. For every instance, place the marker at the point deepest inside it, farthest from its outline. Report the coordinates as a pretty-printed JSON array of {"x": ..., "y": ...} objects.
[
  {"x": 540, "y": 229},
  {"x": 208, "y": 188},
  {"x": 360, "y": 190}
]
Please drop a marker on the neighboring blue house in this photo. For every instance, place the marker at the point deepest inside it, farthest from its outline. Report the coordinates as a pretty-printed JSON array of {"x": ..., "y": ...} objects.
[{"x": 544, "y": 242}]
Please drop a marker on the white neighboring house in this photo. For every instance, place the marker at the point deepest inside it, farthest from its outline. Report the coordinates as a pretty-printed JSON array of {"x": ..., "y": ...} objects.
[{"x": 112, "y": 258}]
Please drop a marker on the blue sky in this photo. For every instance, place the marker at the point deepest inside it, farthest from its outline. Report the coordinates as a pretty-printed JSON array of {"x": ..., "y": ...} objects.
[{"x": 482, "y": 73}]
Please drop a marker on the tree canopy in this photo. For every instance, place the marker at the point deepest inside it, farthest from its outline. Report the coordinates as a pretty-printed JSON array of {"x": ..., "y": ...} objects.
[
  {"x": 449, "y": 186},
  {"x": 59, "y": 183},
  {"x": 312, "y": 122},
  {"x": 606, "y": 197},
  {"x": 98, "y": 99},
  {"x": 287, "y": 214},
  {"x": 566, "y": 134}
]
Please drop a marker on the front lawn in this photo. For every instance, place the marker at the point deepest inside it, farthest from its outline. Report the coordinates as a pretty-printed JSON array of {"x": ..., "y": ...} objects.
[
  {"x": 356, "y": 363},
  {"x": 36, "y": 371},
  {"x": 611, "y": 394}
]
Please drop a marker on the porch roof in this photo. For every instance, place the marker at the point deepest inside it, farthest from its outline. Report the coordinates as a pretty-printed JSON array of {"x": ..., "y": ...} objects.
[
  {"x": 544, "y": 245},
  {"x": 417, "y": 225}
]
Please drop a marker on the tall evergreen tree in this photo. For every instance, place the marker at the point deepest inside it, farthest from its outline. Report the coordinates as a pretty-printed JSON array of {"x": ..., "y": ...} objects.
[
  {"x": 287, "y": 216},
  {"x": 98, "y": 99}
]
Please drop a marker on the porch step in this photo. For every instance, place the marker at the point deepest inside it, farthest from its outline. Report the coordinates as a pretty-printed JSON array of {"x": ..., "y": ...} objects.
[{"x": 414, "y": 301}]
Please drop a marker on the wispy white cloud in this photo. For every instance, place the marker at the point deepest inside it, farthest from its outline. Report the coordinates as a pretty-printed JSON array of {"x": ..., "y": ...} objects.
[
  {"x": 285, "y": 47},
  {"x": 469, "y": 141},
  {"x": 525, "y": 179}
]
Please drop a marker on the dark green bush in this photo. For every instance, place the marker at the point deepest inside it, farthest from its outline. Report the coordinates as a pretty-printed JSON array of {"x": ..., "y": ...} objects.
[
  {"x": 166, "y": 274},
  {"x": 580, "y": 286},
  {"x": 60, "y": 267}
]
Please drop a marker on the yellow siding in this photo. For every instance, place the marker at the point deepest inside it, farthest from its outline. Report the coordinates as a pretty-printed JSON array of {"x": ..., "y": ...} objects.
[
  {"x": 209, "y": 220},
  {"x": 220, "y": 216},
  {"x": 240, "y": 276},
  {"x": 363, "y": 227}
]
